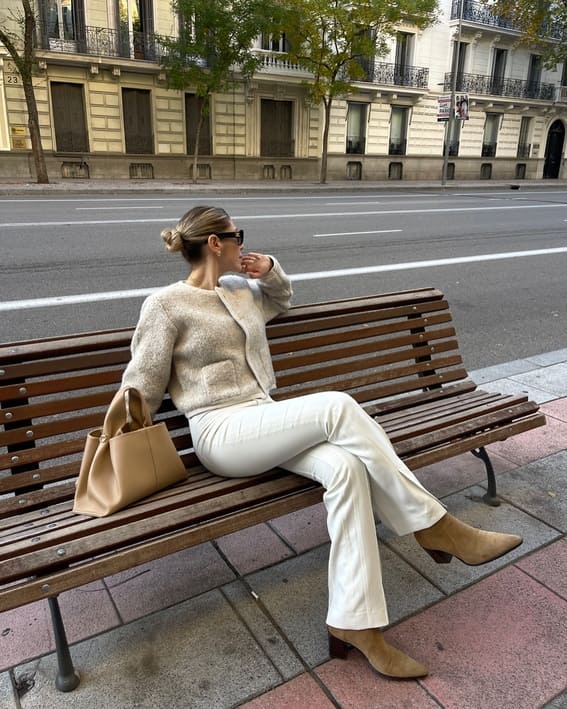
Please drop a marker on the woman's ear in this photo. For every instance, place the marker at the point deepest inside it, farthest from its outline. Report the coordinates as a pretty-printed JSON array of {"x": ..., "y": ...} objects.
[{"x": 214, "y": 244}]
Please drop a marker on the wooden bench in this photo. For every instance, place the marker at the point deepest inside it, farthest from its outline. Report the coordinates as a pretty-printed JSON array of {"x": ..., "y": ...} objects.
[{"x": 395, "y": 353}]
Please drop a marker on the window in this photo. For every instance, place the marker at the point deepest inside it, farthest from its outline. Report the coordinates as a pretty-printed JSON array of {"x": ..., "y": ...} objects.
[
  {"x": 564, "y": 74},
  {"x": 62, "y": 23},
  {"x": 356, "y": 127},
  {"x": 135, "y": 25},
  {"x": 534, "y": 76},
  {"x": 524, "y": 146},
  {"x": 458, "y": 62},
  {"x": 498, "y": 70},
  {"x": 137, "y": 114},
  {"x": 398, "y": 130},
  {"x": 490, "y": 139},
  {"x": 404, "y": 45},
  {"x": 274, "y": 42}
]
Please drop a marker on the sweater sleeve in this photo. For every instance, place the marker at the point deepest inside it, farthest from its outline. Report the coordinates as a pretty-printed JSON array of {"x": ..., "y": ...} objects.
[
  {"x": 152, "y": 346},
  {"x": 275, "y": 290}
]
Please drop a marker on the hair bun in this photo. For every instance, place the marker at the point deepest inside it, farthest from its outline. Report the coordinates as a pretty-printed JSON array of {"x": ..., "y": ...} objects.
[{"x": 173, "y": 239}]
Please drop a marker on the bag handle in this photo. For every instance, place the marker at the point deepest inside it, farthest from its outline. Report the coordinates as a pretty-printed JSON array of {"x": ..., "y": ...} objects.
[{"x": 128, "y": 411}]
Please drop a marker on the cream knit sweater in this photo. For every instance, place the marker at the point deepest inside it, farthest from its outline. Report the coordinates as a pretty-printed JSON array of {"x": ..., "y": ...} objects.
[{"x": 208, "y": 348}]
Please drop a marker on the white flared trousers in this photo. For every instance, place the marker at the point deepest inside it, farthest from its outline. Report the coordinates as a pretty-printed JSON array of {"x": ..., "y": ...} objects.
[{"x": 329, "y": 438}]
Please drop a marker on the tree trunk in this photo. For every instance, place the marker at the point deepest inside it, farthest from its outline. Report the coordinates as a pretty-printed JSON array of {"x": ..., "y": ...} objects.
[
  {"x": 202, "y": 114},
  {"x": 35, "y": 135},
  {"x": 327, "y": 101}
]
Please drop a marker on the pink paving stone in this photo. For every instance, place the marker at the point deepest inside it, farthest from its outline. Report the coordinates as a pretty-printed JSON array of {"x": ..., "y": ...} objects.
[
  {"x": 304, "y": 529},
  {"x": 459, "y": 472},
  {"x": 354, "y": 684},
  {"x": 254, "y": 548},
  {"x": 299, "y": 692},
  {"x": 549, "y": 566},
  {"x": 27, "y": 632},
  {"x": 556, "y": 408},
  {"x": 500, "y": 643},
  {"x": 532, "y": 445}
]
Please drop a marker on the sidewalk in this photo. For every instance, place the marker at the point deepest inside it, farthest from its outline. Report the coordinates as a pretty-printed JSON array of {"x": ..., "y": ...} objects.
[
  {"x": 241, "y": 621},
  {"x": 274, "y": 186}
]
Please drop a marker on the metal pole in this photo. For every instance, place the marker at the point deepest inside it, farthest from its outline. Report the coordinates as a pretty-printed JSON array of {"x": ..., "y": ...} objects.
[{"x": 454, "y": 69}]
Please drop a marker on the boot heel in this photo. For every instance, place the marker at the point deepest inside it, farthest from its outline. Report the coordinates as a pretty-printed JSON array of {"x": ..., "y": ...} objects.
[
  {"x": 440, "y": 557},
  {"x": 337, "y": 648}
]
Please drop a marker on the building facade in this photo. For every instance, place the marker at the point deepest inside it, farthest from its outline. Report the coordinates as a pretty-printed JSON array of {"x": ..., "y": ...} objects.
[{"x": 106, "y": 111}]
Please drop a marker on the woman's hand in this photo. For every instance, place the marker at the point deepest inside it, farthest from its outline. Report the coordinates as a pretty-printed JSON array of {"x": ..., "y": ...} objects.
[{"x": 256, "y": 265}]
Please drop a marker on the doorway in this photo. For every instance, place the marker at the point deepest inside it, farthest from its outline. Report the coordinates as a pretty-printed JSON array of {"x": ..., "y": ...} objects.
[
  {"x": 69, "y": 117},
  {"x": 137, "y": 110},
  {"x": 554, "y": 150},
  {"x": 276, "y": 129}
]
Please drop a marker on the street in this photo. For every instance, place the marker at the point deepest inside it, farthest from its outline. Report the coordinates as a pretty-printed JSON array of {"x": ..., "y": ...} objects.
[{"x": 499, "y": 255}]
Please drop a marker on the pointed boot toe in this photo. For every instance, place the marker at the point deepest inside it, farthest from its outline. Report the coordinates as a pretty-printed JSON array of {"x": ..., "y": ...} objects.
[
  {"x": 450, "y": 537},
  {"x": 384, "y": 658}
]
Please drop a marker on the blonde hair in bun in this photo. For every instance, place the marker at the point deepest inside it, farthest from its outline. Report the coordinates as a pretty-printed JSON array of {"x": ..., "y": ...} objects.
[
  {"x": 173, "y": 239},
  {"x": 193, "y": 230}
]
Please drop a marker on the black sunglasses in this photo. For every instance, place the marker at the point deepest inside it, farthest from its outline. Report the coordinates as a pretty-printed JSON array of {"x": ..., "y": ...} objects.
[{"x": 238, "y": 235}]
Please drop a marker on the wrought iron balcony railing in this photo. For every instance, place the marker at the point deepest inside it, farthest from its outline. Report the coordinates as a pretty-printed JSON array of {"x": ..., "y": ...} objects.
[
  {"x": 398, "y": 75},
  {"x": 355, "y": 144},
  {"x": 493, "y": 86},
  {"x": 105, "y": 42},
  {"x": 397, "y": 148},
  {"x": 524, "y": 150},
  {"x": 474, "y": 11},
  {"x": 488, "y": 150}
]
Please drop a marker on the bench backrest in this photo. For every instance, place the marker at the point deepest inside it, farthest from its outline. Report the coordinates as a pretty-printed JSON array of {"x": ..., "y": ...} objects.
[{"x": 53, "y": 391}]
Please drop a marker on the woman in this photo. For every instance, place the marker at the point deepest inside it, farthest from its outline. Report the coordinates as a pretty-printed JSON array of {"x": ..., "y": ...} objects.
[{"x": 204, "y": 340}]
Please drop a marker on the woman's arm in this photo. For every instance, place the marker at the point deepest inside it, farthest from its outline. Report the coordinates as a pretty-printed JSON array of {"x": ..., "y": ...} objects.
[
  {"x": 270, "y": 281},
  {"x": 152, "y": 345}
]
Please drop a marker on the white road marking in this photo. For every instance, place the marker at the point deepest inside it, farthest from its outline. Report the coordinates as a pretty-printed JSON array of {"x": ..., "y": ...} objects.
[
  {"x": 350, "y": 233},
  {"x": 136, "y": 207},
  {"x": 313, "y": 215},
  {"x": 314, "y": 275}
]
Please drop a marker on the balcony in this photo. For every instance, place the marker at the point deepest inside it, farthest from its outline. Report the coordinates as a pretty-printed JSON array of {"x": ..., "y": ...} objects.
[
  {"x": 416, "y": 77},
  {"x": 488, "y": 150},
  {"x": 561, "y": 94},
  {"x": 480, "y": 13},
  {"x": 397, "y": 147},
  {"x": 105, "y": 42},
  {"x": 481, "y": 84},
  {"x": 524, "y": 150},
  {"x": 355, "y": 144}
]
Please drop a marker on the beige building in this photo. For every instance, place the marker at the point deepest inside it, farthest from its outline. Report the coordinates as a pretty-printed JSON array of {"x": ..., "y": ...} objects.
[{"x": 105, "y": 109}]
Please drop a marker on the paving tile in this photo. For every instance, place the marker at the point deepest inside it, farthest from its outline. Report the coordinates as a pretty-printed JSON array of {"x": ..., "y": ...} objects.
[
  {"x": 501, "y": 371},
  {"x": 559, "y": 702},
  {"x": 304, "y": 529},
  {"x": 547, "y": 358},
  {"x": 197, "y": 654},
  {"x": 462, "y": 471},
  {"x": 532, "y": 445},
  {"x": 300, "y": 692},
  {"x": 549, "y": 566},
  {"x": 254, "y": 548},
  {"x": 500, "y": 643},
  {"x": 7, "y": 698},
  {"x": 355, "y": 685},
  {"x": 469, "y": 507},
  {"x": 26, "y": 632},
  {"x": 511, "y": 386},
  {"x": 556, "y": 408},
  {"x": 540, "y": 488},
  {"x": 167, "y": 581},
  {"x": 266, "y": 634},
  {"x": 295, "y": 593},
  {"x": 552, "y": 379}
]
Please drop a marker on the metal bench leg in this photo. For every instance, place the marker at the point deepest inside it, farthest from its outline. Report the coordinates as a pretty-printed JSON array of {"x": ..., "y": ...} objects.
[
  {"x": 491, "y": 498},
  {"x": 67, "y": 679}
]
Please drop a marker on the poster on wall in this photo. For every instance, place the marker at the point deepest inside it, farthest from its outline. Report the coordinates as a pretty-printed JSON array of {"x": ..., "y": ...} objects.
[{"x": 443, "y": 108}]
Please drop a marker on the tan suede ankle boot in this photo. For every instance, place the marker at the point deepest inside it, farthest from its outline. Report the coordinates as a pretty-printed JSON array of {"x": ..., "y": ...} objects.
[
  {"x": 384, "y": 658},
  {"x": 450, "y": 537}
]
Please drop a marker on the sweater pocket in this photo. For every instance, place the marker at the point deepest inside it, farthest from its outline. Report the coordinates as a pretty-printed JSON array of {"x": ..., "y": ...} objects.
[{"x": 220, "y": 381}]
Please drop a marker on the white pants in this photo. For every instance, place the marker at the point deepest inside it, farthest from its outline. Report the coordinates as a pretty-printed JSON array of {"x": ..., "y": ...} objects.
[{"x": 329, "y": 438}]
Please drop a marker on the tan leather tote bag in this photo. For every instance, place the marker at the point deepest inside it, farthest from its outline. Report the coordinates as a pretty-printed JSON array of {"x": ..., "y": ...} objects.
[{"x": 128, "y": 459}]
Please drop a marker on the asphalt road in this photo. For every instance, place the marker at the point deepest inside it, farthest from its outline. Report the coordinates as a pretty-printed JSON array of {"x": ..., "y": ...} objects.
[{"x": 500, "y": 256}]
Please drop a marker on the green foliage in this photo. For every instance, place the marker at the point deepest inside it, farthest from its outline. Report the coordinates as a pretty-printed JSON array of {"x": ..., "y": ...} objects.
[
  {"x": 215, "y": 39},
  {"x": 543, "y": 24},
  {"x": 333, "y": 38}
]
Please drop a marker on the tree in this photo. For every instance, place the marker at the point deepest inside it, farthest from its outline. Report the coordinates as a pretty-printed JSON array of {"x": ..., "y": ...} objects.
[
  {"x": 334, "y": 39},
  {"x": 20, "y": 46},
  {"x": 215, "y": 40},
  {"x": 543, "y": 25}
]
